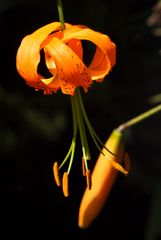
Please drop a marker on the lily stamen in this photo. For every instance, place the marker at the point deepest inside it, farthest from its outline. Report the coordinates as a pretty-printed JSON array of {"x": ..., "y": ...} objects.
[
  {"x": 65, "y": 184},
  {"x": 56, "y": 174},
  {"x": 88, "y": 179},
  {"x": 83, "y": 167}
]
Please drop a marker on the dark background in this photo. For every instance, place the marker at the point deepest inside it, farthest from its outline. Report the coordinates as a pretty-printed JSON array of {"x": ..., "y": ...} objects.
[{"x": 35, "y": 130}]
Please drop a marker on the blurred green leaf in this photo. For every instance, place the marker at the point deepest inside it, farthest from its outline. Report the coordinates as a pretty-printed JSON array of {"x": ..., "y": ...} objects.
[{"x": 153, "y": 227}]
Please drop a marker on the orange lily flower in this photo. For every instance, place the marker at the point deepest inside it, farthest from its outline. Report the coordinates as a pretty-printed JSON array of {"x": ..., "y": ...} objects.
[
  {"x": 62, "y": 52},
  {"x": 103, "y": 178},
  {"x": 63, "y": 55}
]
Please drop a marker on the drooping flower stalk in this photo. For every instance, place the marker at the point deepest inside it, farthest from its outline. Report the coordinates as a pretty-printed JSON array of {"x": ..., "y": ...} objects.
[{"x": 61, "y": 14}]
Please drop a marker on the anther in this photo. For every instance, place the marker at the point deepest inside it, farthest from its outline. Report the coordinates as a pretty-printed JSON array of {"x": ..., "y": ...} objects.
[
  {"x": 88, "y": 179},
  {"x": 118, "y": 167},
  {"x": 127, "y": 163},
  {"x": 65, "y": 184},
  {"x": 83, "y": 167},
  {"x": 56, "y": 174}
]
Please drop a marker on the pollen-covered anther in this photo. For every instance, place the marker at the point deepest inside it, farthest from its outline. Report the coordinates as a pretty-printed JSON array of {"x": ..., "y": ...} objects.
[
  {"x": 65, "y": 184},
  {"x": 56, "y": 174},
  {"x": 88, "y": 179}
]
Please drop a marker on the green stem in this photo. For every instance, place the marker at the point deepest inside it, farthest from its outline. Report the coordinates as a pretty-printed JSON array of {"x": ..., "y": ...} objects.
[
  {"x": 98, "y": 142},
  {"x": 61, "y": 14},
  {"x": 71, "y": 150},
  {"x": 75, "y": 128},
  {"x": 75, "y": 123},
  {"x": 82, "y": 131},
  {"x": 89, "y": 126},
  {"x": 72, "y": 155},
  {"x": 67, "y": 155},
  {"x": 80, "y": 122},
  {"x": 139, "y": 118}
]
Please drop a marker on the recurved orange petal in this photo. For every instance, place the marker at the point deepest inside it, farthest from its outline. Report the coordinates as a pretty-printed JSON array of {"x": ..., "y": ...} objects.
[
  {"x": 71, "y": 70},
  {"x": 64, "y": 57},
  {"x": 105, "y": 55},
  {"x": 28, "y": 56}
]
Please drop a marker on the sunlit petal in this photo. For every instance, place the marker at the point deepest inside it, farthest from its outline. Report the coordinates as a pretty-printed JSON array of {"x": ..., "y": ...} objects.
[
  {"x": 64, "y": 57},
  {"x": 105, "y": 55},
  {"x": 71, "y": 69}
]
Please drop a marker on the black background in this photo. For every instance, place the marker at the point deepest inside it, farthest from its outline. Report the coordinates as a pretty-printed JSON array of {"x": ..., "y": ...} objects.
[{"x": 35, "y": 130}]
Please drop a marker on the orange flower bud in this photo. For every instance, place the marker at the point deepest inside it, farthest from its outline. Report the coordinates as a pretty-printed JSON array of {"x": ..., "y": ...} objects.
[{"x": 103, "y": 177}]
